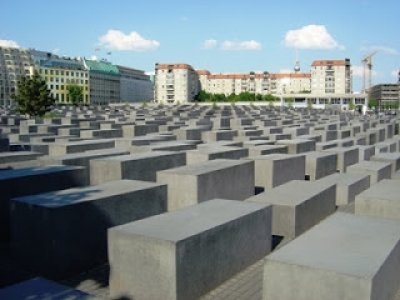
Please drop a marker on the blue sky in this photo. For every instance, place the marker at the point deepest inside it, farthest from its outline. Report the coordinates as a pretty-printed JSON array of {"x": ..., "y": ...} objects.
[{"x": 218, "y": 35}]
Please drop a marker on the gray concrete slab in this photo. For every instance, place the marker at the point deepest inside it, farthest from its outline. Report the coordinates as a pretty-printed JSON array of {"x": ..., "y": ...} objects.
[
  {"x": 220, "y": 178},
  {"x": 328, "y": 263},
  {"x": 64, "y": 232},
  {"x": 188, "y": 252},
  {"x": 297, "y": 206}
]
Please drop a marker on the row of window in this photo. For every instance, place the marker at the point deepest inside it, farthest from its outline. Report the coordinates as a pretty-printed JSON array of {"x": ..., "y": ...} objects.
[{"x": 62, "y": 73}]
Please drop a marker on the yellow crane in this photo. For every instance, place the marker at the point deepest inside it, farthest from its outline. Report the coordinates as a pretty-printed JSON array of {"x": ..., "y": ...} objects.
[{"x": 367, "y": 64}]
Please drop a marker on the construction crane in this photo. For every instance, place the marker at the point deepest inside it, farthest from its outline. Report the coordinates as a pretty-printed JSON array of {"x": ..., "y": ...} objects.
[{"x": 367, "y": 64}]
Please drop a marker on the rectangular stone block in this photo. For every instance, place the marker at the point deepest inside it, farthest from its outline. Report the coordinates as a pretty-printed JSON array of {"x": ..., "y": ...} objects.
[
  {"x": 31, "y": 181},
  {"x": 62, "y": 148},
  {"x": 18, "y": 156},
  {"x": 381, "y": 200},
  {"x": 165, "y": 146},
  {"x": 220, "y": 178},
  {"x": 393, "y": 158},
  {"x": 143, "y": 166},
  {"x": 43, "y": 289},
  {"x": 210, "y": 153},
  {"x": 375, "y": 169},
  {"x": 275, "y": 169},
  {"x": 320, "y": 164},
  {"x": 345, "y": 157},
  {"x": 218, "y": 135},
  {"x": 348, "y": 186},
  {"x": 188, "y": 252},
  {"x": 365, "y": 152},
  {"x": 298, "y": 146},
  {"x": 328, "y": 263},
  {"x": 267, "y": 149},
  {"x": 66, "y": 231},
  {"x": 81, "y": 159},
  {"x": 297, "y": 206}
]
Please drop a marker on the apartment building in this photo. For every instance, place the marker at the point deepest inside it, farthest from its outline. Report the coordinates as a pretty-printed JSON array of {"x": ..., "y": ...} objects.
[
  {"x": 104, "y": 80},
  {"x": 14, "y": 63},
  {"x": 386, "y": 94},
  {"x": 331, "y": 77},
  {"x": 175, "y": 83},
  {"x": 60, "y": 72},
  {"x": 135, "y": 85},
  {"x": 290, "y": 83}
]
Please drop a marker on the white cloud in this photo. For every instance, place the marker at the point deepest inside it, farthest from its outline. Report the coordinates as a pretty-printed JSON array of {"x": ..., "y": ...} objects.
[
  {"x": 311, "y": 37},
  {"x": 358, "y": 71},
  {"x": 93, "y": 57},
  {"x": 56, "y": 51},
  {"x": 241, "y": 45},
  {"x": 394, "y": 73},
  {"x": 209, "y": 44},
  {"x": 383, "y": 49},
  {"x": 285, "y": 71},
  {"x": 150, "y": 73},
  {"x": 117, "y": 40},
  {"x": 9, "y": 43}
]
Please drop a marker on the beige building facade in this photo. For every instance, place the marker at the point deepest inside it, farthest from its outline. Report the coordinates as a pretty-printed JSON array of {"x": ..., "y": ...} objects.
[{"x": 331, "y": 77}]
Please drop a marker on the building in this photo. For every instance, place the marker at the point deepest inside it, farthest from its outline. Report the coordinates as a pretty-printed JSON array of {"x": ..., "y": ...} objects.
[
  {"x": 290, "y": 83},
  {"x": 175, "y": 83},
  {"x": 387, "y": 94},
  {"x": 331, "y": 77},
  {"x": 135, "y": 85},
  {"x": 60, "y": 72},
  {"x": 104, "y": 80},
  {"x": 14, "y": 63}
]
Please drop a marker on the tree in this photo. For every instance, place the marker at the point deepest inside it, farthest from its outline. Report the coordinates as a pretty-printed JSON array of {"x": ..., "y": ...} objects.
[
  {"x": 372, "y": 103},
  {"x": 202, "y": 96},
  {"x": 75, "y": 94},
  {"x": 33, "y": 97},
  {"x": 352, "y": 106}
]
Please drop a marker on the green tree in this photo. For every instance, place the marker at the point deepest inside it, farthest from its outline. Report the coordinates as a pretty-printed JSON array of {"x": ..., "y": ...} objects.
[
  {"x": 289, "y": 101},
  {"x": 202, "y": 96},
  {"x": 33, "y": 98},
  {"x": 75, "y": 94},
  {"x": 352, "y": 106},
  {"x": 372, "y": 103}
]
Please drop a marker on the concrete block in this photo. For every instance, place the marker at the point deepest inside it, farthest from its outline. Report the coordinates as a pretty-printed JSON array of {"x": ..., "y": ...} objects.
[
  {"x": 297, "y": 206},
  {"x": 210, "y": 153},
  {"x": 376, "y": 169},
  {"x": 218, "y": 135},
  {"x": 188, "y": 252},
  {"x": 165, "y": 146},
  {"x": 66, "y": 231},
  {"x": 345, "y": 157},
  {"x": 298, "y": 146},
  {"x": 42, "y": 289},
  {"x": 18, "y": 156},
  {"x": 381, "y": 200},
  {"x": 62, "y": 148},
  {"x": 393, "y": 158},
  {"x": 365, "y": 152},
  {"x": 332, "y": 266},
  {"x": 31, "y": 181},
  {"x": 320, "y": 164},
  {"x": 143, "y": 166},
  {"x": 267, "y": 149},
  {"x": 220, "y": 178},
  {"x": 81, "y": 159},
  {"x": 348, "y": 186},
  {"x": 276, "y": 169}
]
